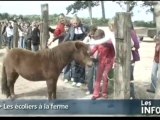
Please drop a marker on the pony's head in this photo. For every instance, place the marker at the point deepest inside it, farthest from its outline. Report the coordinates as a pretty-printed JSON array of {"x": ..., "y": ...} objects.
[{"x": 82, "y": 54}]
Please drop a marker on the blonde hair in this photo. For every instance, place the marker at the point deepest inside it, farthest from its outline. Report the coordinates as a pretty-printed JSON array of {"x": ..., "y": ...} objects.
[
  {"x": 76, "y": 19},
  {"x": 99, "y": 33}
]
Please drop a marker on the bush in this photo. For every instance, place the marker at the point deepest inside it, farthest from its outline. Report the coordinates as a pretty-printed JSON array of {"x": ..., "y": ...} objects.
[
  {"x": 53, "y": 18},
  {"x": 96, "y": 22},
  {"x": 144, "y": 24}
]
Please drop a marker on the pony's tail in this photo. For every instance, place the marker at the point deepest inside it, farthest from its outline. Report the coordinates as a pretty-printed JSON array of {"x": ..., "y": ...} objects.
[{"x": 4, "y": 87}]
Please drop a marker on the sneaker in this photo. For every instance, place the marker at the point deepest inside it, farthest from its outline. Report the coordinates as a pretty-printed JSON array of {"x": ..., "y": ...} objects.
[
  {"x": 95, "y": 97},
  {"x": 88, "y": 93},
  {"x": 78, "y": 84},
  {"x": 131, "y": 98},
  {"x": 65, "y": 81},
  {"x": 104, "y": 95},
  {"x": 72, "y": 79},
  {"x": 151, "y": 91},
  {"x": 74, "y": 83}
]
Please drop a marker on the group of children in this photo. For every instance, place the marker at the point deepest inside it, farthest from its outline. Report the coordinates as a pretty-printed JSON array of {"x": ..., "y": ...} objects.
[{"x": 102, "y": 50}]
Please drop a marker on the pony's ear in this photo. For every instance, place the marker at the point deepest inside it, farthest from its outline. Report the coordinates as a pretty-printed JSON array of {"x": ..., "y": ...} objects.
[{"x": 79, "y": 45}]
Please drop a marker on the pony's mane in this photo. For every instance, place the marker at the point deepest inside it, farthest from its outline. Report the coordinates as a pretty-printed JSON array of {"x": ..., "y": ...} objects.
[
  {"x": 54, "y": 53},
  {"x": 49, "y": 53}
]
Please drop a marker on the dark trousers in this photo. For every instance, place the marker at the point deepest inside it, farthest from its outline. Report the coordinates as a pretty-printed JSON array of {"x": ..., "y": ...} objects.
[
  {"x": 67, "y": 72},
  {"x": 4, "y": 40},
  {"x": 91, "y": 76},
  {"x": 132, "y": 92},
  {"x": 60, "y": 40},
  {"x": 78, "y": 73},
  {"x": 10, "y": 42},
  {"x": 28, "y": 44},
  {"x": 35, "y": 47}
]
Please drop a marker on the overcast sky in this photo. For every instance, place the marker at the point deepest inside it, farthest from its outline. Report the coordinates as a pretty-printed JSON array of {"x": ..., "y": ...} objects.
[{"x": 34, "y": 7}]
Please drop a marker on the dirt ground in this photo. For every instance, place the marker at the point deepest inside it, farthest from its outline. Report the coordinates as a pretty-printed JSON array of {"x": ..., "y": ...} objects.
[
  {"x": 143, "y": 69},
  {"x": 37, "y": 90}
]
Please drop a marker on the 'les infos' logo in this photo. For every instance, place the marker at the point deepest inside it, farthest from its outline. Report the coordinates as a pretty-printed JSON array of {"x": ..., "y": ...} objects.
[{"x": 148, "y": 109}]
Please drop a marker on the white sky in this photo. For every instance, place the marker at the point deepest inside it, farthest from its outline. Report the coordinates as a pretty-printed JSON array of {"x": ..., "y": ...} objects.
[{"x": 34, "y": 7}]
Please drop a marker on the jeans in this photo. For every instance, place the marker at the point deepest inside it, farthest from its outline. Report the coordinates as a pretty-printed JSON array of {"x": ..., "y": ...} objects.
[
  {"x": 132, "y": 92},
  {"x": 10, "y": 42},
  {"x": 4, "y": 39},
  {"x": 0, "y": 41},
  {"x": 91, "y": 76},
  {"x": 28, "y": 44},
  {"x": 67, "y": 72},
  {"x": 74, "y": 70},
  {"x": 78, "y": 73},
  {"x": 35, "y": 47},
  {"x": 21, "y": 42},
  {"x": 155, "y": 75}
]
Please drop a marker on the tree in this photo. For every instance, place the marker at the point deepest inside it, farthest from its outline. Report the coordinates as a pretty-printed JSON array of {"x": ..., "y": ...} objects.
[
  {"x": 6, "y": 15},
  {"x": 21, "y": 17},
  {"x": 103, "y": 10},
  {"x": 90, "y": 12},
  {"x": 150, "y": 4},
  {"x": 129, "y": 5},
  {"x": 0, "y": 16},
  {"x": 81, "y": 5}
]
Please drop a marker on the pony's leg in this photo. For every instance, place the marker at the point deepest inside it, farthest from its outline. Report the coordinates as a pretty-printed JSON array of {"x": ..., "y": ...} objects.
[
  {"x": 11, "y": 81},
  {"x": 54, "y": 88},
  {"x": 50, "y": 89}
]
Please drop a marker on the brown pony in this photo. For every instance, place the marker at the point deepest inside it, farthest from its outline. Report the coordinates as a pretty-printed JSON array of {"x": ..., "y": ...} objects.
[{"x": 44, "y": 65}]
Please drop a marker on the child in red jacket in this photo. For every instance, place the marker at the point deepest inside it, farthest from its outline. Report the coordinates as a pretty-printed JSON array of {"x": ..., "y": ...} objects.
[{"x": 106, "y": 56}]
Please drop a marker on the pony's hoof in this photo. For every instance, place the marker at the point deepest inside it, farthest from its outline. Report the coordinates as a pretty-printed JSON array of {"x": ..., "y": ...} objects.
[
  {"x": 12, "y": 97},
  {"x": 50, "y": 99}
]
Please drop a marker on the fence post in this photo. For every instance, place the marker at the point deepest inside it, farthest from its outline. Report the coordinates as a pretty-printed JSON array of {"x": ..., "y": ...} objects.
[
  {"x": 123, "y": 56},
  {"x": 41, "y": 31},
  {"x": 0, "y": 36},
  {"x": 44, "y": 27},
  {"x": 15, "y": 35}
]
